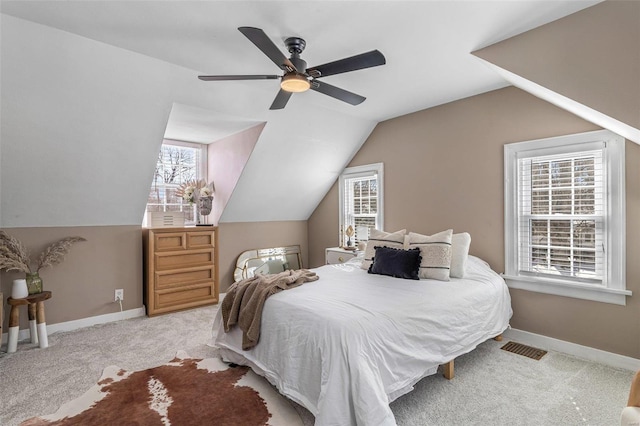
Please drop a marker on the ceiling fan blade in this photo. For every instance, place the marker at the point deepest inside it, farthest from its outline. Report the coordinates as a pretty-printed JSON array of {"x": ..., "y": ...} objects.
[
  {"x": 281, "y": 99},
  {"x": 358, "y": 62},
  {"x": 237, "y": 77},
  {"x": 264, "y": 43},
  {"x": 338, "y": 93}
]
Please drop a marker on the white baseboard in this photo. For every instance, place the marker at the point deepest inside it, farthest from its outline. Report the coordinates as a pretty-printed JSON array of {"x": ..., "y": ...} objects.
[
  {"x": 84, "y": 322},
  {"x": 579, "y": 351}
]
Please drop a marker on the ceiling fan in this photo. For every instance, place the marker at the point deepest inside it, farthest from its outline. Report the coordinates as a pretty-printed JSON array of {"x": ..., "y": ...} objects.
[{"x": 297, "y": 77}]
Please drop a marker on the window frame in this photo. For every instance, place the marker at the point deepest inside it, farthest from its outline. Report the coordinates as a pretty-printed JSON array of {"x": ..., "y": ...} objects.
[
  {"x": 613, "y": 289},
  {"x": 376, "y": 169},
  {"x": 201, "y": 168}
]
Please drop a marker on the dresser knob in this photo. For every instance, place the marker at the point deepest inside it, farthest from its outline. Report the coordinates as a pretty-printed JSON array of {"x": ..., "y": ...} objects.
[{"x": 341, "y": 259}]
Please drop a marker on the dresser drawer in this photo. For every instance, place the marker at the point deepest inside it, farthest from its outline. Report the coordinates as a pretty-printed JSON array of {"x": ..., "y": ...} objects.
[
  {"x": 193, "y": 295},
  {"x": 170, "y": 241},
  {"x": 201, "y": 240},
  {"x": 335, "y": 257},
  {"x": 183, "y": 277},
  {"x": 184, "y": 259}
]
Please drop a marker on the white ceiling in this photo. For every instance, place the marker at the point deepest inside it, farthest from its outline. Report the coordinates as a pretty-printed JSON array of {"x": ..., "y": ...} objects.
[
  {"x": 121, "y": 70},
  {"x": 200, "y": 125},
  {"x": 426, "y": 44}
]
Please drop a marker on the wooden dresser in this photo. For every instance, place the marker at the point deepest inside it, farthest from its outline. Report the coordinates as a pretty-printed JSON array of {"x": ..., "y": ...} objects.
[{"x": 181, "y": 268}]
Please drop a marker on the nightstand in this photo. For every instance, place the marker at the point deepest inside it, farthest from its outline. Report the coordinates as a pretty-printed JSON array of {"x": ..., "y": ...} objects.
[{"x": 336, "y": 255}]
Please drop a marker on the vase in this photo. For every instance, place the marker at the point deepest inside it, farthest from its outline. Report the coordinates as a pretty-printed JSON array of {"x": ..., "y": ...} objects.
[
  {"x": 34, "y": 283},
  {"x": 19, "y": 289},
  {"x": 205, "y": 204}
]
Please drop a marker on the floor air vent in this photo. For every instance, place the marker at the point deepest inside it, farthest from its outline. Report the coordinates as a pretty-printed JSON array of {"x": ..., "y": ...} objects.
[{"x": 524, "y": 350}]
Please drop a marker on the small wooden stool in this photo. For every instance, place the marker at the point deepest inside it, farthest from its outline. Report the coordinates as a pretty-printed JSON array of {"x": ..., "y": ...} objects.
[{"x": 38, "y": 332}]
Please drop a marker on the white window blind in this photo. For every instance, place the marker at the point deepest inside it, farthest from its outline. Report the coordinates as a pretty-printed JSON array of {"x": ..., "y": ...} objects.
[
  {"x": 178, "y": 162},
  {"x": 360, "y": 201},
  {"x": 565, "y": 216},
  {"x": 561, "y": 216}
]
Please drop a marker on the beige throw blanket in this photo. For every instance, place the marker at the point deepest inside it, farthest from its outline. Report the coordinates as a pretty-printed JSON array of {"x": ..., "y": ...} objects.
[{"x": 245, "y": 299}]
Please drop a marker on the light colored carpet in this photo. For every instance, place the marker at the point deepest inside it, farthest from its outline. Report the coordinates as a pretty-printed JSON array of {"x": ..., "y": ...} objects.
[{"x": 491, "y": 387}]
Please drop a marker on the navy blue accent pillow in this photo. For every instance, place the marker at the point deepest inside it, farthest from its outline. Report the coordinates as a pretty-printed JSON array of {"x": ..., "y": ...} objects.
[{"x": 396, "y": 262}]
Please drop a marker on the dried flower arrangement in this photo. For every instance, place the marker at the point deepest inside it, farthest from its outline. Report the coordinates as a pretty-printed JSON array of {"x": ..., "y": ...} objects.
[
  {"x": 15, "y": 257},
  {"x": 192, "y": 190}
]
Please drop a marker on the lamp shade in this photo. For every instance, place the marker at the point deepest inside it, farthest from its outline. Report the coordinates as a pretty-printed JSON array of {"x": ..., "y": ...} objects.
[{"x": 349, "y": 232}]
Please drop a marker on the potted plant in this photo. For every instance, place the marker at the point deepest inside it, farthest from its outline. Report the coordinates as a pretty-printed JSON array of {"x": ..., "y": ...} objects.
[{"x": 15, "y": 257}]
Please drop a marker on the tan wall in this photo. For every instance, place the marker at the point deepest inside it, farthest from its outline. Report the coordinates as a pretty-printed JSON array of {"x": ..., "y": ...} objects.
[
  {"x": 324, "y": 226},
  {"x": 234, "y": 238},
  {"x": 443, "y": 168},
  {"x": 83, "y": 284},
  {"x": 592, "y": 57}
]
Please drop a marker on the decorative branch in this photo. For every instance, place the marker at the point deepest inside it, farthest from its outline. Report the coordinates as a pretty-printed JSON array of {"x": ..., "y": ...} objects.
[
  {"x": 15, "y": 257},
  {"x": 55, "y": 253}
]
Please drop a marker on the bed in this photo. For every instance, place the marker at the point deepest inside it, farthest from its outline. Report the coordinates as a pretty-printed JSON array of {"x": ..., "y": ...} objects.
[{"x": 347, "y": 345}]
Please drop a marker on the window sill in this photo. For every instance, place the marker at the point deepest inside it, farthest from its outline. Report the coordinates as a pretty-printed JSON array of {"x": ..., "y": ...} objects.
[{"x": 568, "y": 289}]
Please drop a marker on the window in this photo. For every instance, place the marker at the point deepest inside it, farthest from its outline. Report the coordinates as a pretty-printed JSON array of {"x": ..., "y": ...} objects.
[
  {"x": 565, "y": 216},
  {"x": 361, "y": 201},
  {"x": 178, "y": 162}
]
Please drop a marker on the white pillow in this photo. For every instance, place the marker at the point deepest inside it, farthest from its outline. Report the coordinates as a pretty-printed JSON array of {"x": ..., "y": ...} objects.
[
  {"x": 381, "y": 239},
  {"x": 459, "y": 253},
  {"x": 436, "y": 254},
  {"x": 356, "y": 260}
]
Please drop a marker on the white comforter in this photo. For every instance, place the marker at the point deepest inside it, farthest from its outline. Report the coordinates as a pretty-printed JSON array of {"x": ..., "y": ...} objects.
[{"x": 347, "y": 345}]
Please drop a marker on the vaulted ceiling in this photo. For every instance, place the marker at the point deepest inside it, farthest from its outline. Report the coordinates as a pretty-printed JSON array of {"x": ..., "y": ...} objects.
[
  {"x": 427, "y": 44},
  {"x": 89, "y": 90}
]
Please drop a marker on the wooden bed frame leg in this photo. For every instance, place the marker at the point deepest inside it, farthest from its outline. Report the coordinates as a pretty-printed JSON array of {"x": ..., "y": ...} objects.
[
  {"x": 449, "y": 367},
  {"x": 448, "y": 370}
]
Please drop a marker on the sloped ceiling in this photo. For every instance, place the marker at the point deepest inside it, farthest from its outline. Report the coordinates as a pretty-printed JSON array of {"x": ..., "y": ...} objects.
[
  {"x": 88, "y": 89},
  {"x": 191, "y": 124},
  {"x": 587, "y": 63},
  {"x": 426, "y": 43}
]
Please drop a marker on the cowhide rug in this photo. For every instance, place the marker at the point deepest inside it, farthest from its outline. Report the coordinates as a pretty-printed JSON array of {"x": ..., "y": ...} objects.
[{"x": 183, "y": 392}]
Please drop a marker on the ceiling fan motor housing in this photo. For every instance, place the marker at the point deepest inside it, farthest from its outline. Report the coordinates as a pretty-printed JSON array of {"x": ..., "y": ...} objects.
[
  {"x": 300, "y": 64},
  {"x": 295, "y": 45}
]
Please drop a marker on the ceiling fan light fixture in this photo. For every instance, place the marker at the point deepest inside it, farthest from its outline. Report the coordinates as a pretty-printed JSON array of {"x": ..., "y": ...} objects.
[{"x": 295, "y": 83}]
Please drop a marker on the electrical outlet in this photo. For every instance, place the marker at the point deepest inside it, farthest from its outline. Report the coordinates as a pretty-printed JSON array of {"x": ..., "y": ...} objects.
[{"x": 119, "y": 294}]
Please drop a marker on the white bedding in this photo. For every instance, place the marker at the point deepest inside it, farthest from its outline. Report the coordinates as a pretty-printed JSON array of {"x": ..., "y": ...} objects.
[{"x": 347, "y": 345}]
